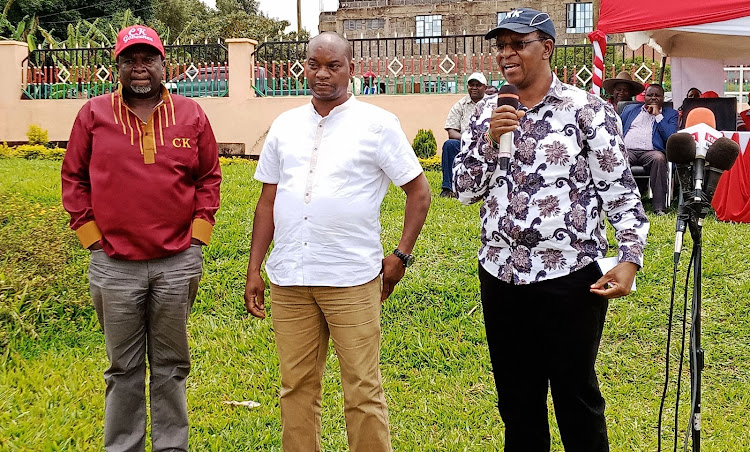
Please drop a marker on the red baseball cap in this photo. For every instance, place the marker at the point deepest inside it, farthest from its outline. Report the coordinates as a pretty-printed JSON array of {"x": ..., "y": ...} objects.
[{"x": 138, "y": 34}]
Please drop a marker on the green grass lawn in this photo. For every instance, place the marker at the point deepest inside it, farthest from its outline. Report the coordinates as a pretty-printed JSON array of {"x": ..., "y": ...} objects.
[{"x": 435, "y": 363}]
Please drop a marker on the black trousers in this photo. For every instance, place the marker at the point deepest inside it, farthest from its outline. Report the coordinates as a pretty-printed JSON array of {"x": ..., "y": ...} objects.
[{"x": 546, "y": 335}]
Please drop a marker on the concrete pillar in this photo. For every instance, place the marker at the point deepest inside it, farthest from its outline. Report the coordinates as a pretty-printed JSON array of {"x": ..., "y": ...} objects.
[
  {"x": 12, "y": 76},
  {"x": 241, "y": 67}
]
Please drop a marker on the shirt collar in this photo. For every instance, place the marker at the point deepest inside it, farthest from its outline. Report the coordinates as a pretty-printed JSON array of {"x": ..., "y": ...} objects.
[
  {"x": 349, "y": 103},
  {"x": 555, "y": 92}
]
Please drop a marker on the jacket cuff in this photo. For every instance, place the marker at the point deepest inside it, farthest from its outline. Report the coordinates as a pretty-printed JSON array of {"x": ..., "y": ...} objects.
[
  {"x": 88, "y": 234},
  {"x": 202, "y": 230}
]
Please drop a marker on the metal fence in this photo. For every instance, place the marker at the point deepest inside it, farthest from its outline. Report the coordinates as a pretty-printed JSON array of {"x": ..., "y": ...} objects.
[
  {"x": 441, "y": 64},
  {"x": 403, "y": 65},
  {"x": 194, "y": 70}
]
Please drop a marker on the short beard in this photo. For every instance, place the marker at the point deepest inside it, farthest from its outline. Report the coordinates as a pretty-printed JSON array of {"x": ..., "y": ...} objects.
[{"x": 140, "y": 89}]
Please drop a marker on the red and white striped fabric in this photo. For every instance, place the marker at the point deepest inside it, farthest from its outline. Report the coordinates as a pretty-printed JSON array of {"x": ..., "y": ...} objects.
[{"x": 599, "y": 41}]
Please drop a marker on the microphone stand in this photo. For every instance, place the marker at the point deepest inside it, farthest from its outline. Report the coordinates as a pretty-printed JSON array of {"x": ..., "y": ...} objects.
[{"x": 697, "y": 211}]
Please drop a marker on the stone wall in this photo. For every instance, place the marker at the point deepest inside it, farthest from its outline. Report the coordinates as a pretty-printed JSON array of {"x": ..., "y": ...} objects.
[{"x": 458, "y": 16}]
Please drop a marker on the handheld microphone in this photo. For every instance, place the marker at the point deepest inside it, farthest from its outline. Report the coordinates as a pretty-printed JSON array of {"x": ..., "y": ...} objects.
[
  {"x": 720, "y": 156},
  {"x": 681, "y": 152},
  {"x": 508, "y": 95},
  {"x": 696, "y": 118}
]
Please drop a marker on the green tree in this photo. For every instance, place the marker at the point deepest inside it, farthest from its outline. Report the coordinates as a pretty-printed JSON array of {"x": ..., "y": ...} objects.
[
  {"x": 55, "y": 15},
  {"x": 243, "y": 25},
  {"x": 178, "y": 15},
  {"x": 234, "y": 6},
  {"x": 95, "y": 23}
]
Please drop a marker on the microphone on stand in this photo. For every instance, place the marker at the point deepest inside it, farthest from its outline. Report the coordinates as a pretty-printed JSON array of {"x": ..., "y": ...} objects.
[
  {"x": 508, "y": 95},
  {"x": 681, "y": 149},
  {"x": 720, "y": 156},
  {"x": 681, "y": 152},
  {"x": 702, "y": 122}
]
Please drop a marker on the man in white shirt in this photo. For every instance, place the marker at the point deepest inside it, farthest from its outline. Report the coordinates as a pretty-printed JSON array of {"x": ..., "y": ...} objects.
[
  {"x": 325, "y": 168},
  {"x": 645, "y": 131}
]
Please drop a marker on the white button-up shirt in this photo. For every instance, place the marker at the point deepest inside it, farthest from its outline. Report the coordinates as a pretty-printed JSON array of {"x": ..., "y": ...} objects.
[{"x": 332, "y": 174}]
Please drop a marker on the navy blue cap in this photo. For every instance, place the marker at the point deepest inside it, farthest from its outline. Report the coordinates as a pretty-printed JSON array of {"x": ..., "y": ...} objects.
[{"x": 524, "y": 20}]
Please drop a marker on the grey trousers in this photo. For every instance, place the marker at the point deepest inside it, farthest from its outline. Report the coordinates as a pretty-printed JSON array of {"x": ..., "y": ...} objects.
[
  {"x": 143, "y": 308},
  {"x": 655, "y": 162}
]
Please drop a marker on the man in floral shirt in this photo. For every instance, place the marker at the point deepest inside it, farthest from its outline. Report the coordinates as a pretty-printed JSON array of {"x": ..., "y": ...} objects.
[{"x": 543, "y": 293}]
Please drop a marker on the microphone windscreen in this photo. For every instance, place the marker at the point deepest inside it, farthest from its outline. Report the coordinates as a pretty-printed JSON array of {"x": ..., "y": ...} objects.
[
  {"x": 722, "y": 153},
  {"x": 700, "y": 115},
  {"x": 508, "y": 95},
  {"x": 681, "y": 148}
]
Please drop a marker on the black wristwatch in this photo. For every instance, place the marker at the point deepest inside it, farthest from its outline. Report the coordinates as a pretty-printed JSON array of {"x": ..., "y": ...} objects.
[{"x": 407, "y": 259}]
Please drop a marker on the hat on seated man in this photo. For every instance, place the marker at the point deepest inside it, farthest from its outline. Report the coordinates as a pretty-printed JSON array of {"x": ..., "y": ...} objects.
[{"x": 621, "y": 88}]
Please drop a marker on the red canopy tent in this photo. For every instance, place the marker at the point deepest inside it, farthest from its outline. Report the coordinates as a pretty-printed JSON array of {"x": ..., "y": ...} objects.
[
  {"x": 709, "y": 30},
  {"x": 616, "y": 16}
]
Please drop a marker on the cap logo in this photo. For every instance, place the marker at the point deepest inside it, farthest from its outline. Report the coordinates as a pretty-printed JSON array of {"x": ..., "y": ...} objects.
[
  {"x": 515, "y": 13},
  {"x": 137, "y": 33},
  {"x": 539, "y": 19}
]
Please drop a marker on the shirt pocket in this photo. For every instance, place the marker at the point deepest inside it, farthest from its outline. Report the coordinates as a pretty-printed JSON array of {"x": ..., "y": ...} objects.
[{"x": 180, "y": 144}]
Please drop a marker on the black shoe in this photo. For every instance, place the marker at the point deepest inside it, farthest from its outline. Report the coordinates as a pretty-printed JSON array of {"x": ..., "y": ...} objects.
[
  {"x": 659, "y": 213},
  {"x": 446, "y": 193}
]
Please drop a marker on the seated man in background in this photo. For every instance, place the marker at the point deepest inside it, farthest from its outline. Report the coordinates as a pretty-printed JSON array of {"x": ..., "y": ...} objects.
[
  {"x": 621, "y": 88},
  {"x": 646, "y": 129},
  {"x": 456, "y": 123}
]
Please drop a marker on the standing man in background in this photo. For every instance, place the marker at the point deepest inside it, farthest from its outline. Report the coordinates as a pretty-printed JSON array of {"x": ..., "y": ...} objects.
[
  {"x": 140, "y": 180},
  {"x": 456, "y": 124},
  {"x": 544, "y": 296},
  {"x": 323, "y": 186}
]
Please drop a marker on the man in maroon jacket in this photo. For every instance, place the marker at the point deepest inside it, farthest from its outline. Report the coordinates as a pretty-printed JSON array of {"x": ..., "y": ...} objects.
[{"x": 140, "y": 180}]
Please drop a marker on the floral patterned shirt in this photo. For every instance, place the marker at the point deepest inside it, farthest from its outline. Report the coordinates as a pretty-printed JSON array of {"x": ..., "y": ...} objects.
[{"x": 543, "y": 217}]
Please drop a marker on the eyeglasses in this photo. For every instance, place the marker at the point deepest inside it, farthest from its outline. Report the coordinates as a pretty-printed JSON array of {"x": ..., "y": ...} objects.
[{"x": 516, "y": 46}]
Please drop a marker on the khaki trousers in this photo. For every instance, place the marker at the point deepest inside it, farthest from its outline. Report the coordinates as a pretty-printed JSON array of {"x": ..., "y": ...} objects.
[{"x": 303, "y": 319}]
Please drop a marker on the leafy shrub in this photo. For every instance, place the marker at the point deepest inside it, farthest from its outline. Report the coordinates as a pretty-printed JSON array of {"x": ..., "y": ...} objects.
[
  {"x": 37, "y": 135},
  {"x": 223, "y": 161},
  {"x": 424, "y": 144},
  {"x": 431, "y": 163},
  {"x": 6, "y": 151},
  {"x": 38, "y": 151}
]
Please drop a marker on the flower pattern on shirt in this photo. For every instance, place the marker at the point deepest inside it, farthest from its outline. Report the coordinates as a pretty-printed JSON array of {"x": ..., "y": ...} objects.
[{"x": 544, "y": 217}]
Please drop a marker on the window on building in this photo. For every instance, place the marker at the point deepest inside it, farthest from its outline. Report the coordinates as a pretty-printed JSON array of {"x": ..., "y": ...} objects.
[
  {"x": 364, "y": 24},
  {"x": 580, "y": 17},
  {"x": 502, "y": 15},
  {"x": 429, "y": 26},
  {"x": 375, "y": 24}
]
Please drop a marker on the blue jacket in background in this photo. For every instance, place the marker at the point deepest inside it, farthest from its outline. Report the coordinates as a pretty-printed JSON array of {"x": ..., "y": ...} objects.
[{"x": 661, "y": 131}]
